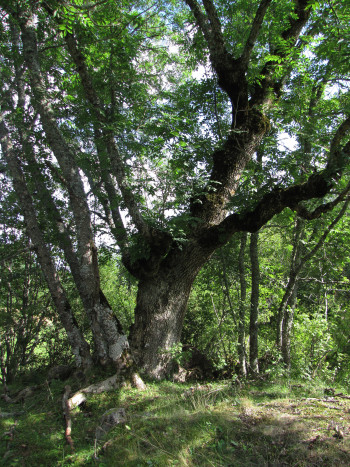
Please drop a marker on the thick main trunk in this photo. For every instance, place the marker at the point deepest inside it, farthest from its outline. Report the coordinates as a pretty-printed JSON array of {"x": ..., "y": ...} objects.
[{"x": 159, "y": 315}]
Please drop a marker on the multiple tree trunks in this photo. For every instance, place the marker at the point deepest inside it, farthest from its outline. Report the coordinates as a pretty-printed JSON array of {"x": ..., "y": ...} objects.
[{"x": 168, "y": 267}]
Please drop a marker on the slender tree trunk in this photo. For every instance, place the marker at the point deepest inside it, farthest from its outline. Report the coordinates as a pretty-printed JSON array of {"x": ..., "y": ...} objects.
[
  {"x": 79, "y": 346},
  {"x": 288, "y": 325},
  {"x": 242, "y": 306},
  {"x": 254, "y": 304},
  {"x": 290, "y": 292},
  {"x": 109, "y": 338}
]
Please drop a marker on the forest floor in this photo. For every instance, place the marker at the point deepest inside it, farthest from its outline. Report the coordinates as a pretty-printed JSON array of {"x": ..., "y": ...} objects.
[{"x": 279, "y": 423}]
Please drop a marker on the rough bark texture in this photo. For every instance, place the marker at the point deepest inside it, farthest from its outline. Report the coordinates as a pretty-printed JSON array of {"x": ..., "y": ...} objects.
[
  {"x": 109, "y": 339},
  {"x": 159, "y": 315},
  {"x": 161, "y": 304}
]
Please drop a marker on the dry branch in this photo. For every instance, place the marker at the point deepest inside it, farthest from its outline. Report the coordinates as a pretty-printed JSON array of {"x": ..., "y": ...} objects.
[{"x": 67, "y": 416}]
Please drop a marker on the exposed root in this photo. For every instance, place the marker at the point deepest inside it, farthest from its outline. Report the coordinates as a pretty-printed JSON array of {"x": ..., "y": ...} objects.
[{"x": 107, "y": 385}]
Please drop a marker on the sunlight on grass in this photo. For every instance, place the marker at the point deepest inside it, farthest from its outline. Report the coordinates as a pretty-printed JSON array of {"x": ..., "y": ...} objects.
[{"x": 172, "y": 424}]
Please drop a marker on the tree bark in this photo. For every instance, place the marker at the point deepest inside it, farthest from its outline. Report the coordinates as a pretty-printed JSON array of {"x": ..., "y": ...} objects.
[
  {"x": 166, "y": 275},
  {"x": 79, "y": 346},
  {"x": 159, "y": 314},
  {"x": 160, "y": 309},
  {"x": 109, "y": 338},
  {"x": 254, "y": 304},
  {"x": 288, "y": 325},
  {"x": 242, "y": 306}
]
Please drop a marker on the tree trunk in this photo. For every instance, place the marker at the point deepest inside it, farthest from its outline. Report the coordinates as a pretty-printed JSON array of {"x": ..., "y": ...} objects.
[
  {"x": 159, "y": 315},
  {"x": 288, "y": 325},
  {"x": 242, "y": 305},
  {"x": 160, "y": 309},
  {"x": 254, "y": 304},
  {"x": 79, "y": 346}
]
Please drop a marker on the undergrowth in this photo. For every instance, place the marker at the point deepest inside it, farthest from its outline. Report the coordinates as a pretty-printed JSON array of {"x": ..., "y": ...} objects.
[{"x": 281, "y": 423}]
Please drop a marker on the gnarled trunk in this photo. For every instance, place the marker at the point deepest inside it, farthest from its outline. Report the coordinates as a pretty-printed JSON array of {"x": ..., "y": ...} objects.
[
  {"x": 159, "y": 315},
  {"x": 160, "y": 310}
]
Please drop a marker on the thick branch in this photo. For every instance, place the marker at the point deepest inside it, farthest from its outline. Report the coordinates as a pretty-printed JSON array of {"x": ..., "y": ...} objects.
[
  {"x": 336, "y": 155},
  {"x": 317, "y": 186},
  {"x": 230, "y": 76},
  {"x": 316, "y": 213},
  {"x": 200, "y": 18}
]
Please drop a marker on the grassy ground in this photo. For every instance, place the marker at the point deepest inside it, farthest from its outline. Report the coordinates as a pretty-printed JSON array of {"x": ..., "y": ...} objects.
[{"x": 215, "y": 424}]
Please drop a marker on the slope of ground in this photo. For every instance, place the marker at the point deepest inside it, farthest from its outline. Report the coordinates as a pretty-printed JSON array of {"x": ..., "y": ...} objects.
[{"x": 216, "y": 424}]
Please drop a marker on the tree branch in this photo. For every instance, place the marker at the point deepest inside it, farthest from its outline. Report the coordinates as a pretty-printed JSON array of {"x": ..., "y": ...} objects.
[
  {"x": 223, "y": 62},
  {"x": 317, "y": 186},
  {"x": 112, "y": 149},
  {"x": 305, "y": 214},
  {"x": 301, "y": 15},
  {"x": 254, "y": 31}
]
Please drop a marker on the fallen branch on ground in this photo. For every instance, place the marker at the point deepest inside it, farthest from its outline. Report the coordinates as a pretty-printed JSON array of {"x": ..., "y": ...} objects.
[{"x": 67, "y": 417}]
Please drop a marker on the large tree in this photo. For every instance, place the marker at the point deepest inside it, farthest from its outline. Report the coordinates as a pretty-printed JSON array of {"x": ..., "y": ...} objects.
[{"x": 148, "y": 117}]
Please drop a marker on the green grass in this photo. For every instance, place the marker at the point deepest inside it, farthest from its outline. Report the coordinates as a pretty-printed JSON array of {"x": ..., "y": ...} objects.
[{"x": 273, "y": 424}]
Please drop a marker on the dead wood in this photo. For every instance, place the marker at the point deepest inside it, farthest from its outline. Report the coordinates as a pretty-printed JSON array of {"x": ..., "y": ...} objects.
[
  {"x": 25, "y": 393},
  {"x": 113, "y": 382},
  {"x": 125, "y": 372},
  {"x": 67, "y": 416}
]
